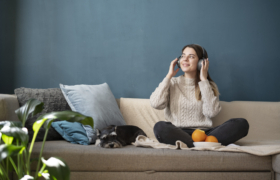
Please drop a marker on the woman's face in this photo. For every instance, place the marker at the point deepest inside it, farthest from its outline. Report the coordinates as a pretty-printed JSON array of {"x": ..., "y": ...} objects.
[{"x": 189, "y": 60}]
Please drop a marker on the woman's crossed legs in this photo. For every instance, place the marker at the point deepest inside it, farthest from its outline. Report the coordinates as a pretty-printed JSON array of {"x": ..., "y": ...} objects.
[{"x": 226, "y": 133}]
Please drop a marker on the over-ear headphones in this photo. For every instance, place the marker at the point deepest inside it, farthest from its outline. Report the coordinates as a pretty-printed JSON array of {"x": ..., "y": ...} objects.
[{"x": 199, "y": 61}]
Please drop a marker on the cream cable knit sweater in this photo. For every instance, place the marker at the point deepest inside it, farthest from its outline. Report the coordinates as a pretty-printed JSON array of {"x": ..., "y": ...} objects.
[{"x": 177, "y": 96}]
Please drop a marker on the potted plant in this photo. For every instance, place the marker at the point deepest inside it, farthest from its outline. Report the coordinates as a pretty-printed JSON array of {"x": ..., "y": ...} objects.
[{"x": 15, "y": 151}]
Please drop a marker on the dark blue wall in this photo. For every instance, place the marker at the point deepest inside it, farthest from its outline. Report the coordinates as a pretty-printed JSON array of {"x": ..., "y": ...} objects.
[{"x": 130, "y": 43}]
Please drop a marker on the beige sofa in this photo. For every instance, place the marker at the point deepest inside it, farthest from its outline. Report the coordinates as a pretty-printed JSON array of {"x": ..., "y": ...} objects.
[{"x": 131, "y": 162}]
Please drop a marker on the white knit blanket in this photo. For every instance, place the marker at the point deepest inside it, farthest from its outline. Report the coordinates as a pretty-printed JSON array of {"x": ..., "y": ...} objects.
[{"x": 256, "y": 148}]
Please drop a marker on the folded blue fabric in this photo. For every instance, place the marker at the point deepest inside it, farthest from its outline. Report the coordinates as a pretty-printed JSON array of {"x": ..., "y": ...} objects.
[{"x": 72, "y": 132}]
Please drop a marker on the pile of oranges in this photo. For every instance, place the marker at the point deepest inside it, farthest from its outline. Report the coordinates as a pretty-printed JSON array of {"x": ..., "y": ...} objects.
[{"x": 199, "y": 135}]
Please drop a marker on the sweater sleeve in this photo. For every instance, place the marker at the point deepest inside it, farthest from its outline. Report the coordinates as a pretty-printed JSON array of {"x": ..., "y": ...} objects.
[
  {"x": 160, "y": 97},
  {"x": 211, "y": 104}
]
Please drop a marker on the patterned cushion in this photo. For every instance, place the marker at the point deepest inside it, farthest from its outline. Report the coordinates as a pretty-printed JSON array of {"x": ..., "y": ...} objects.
[{"x": 53, "y": 100}]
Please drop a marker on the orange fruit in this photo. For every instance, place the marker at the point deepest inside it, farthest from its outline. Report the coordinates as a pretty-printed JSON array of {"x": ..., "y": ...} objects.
[
  {"x": 211, "y": 138},
  {"x": 198, "y": 135}
]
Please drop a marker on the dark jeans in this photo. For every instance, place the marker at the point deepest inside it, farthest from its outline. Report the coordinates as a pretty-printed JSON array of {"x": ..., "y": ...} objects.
[{"x": 226, "y": 133}]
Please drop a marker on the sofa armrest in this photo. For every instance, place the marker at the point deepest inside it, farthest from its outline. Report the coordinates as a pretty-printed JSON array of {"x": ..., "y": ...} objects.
[
  {"x": 276, "y": 163},
  {"x": 8, "y": 105}
]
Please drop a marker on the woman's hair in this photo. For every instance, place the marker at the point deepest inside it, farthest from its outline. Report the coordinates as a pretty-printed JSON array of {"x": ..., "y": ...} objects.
[{"x": 199, "y": 51}]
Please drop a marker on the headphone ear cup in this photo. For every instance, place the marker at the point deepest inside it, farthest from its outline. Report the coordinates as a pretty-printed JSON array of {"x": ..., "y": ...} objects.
[
  {"x": 199, "y": 64},
  {"x": 178, "y": 62}
]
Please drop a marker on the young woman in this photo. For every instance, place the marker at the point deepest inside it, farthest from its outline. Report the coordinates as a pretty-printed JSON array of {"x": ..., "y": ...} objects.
[{"x": 190, "y": 101}]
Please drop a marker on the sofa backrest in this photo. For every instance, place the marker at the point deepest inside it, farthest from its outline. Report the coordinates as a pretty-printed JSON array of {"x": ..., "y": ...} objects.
[
  {"x": 263, "y": 117},
  {"x": 8, "y": 105}
]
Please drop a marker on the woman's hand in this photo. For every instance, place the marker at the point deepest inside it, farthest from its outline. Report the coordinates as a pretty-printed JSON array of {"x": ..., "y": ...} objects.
[
  {"x": 204, "y": 69},
  {"x": 171, "y": 72}
]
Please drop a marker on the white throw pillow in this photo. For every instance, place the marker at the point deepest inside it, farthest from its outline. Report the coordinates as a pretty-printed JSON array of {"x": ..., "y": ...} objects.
[{"x": 96, "y": 101}]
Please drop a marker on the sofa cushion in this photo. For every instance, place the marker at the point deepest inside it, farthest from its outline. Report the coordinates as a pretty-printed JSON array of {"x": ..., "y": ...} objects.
[
  {"x": 263, "y": 117},
  {"x": 138, "y": 112},
  {"x": 96, "y": 101},
  {"x": 152, "y": 175},
  {"x": 53, "y": 100},
  {"x": 132, "y": 158}
]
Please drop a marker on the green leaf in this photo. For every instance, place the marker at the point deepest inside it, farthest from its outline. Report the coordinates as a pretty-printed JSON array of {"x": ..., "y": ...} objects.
[
  {"x": 37, "y": 125},
  {"x": 32, "y": 106},
  {"x": 9, "y": 150},
  {"x": 47, "y": 176},
  {"x": 57, "y": 168},
  {"x": 27, "y": 177},
  {"x": 70, "y": 116},
  {"x": 10, "y": 124},
  {"x": 7, "y": 139},
  {"x": 15, "y": 132}
]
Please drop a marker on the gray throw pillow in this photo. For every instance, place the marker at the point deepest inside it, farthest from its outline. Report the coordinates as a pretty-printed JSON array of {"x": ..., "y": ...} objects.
[
  {"x": 53, "y": 100},
  {"x": 96, "y": 101}
]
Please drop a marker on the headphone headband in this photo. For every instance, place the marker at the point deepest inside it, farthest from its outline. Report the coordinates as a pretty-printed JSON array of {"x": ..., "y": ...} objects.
[{"x": 203, "y": 54}]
